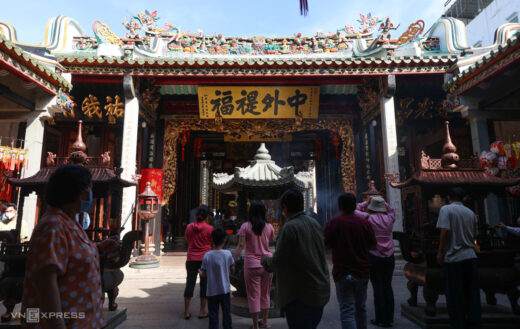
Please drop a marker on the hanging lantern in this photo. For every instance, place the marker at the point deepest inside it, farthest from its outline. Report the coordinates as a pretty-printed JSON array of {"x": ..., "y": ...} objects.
[
  {"x": 19, "y": 159},
  {"x": 185, "y": 136},
  {"x": 335, "y": 141}
]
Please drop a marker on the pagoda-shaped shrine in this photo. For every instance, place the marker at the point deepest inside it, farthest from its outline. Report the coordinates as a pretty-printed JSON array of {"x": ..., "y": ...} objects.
[
  {"x": 263, "y": 179},
  {"x": 422, "y": 197},
  {"x": 107, "y": 186}
]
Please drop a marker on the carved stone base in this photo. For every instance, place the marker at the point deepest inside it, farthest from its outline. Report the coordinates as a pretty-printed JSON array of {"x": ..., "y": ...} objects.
[{"x": 145, "y": 262}]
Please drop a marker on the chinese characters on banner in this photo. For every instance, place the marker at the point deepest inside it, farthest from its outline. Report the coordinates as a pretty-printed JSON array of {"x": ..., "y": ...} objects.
[{"x": 249, "y": 102}]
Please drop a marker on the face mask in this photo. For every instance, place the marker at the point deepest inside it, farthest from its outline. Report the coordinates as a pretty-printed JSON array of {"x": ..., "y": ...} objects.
[
  {"x": 85, "y": 204},
  {"x": 86, "y": 220},
  {"x": 8, "y": 215}
]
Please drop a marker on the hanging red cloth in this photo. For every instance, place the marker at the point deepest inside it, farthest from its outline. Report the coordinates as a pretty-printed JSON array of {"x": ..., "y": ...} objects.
[{"x": 335, "y": 141}]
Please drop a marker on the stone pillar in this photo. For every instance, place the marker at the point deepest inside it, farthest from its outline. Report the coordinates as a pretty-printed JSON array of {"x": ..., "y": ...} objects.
[
  {"x": 393, "y": 195},
  {"x": 479, "y": 134},
  {"x": 478, "y": 121},
  {"x": 34, "y": 133},
  {"x": 129, "y": 152}
]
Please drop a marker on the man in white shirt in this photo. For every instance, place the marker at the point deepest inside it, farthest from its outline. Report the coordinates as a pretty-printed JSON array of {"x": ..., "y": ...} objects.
[
  {"x": 8, "y": 221},
  {"x": 457, "y": 252}
]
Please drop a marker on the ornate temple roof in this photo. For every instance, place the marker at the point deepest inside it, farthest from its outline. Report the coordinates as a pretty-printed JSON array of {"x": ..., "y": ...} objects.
[
  {"x": 100, "y": 175},
  {"x": 504, "y": 52},
  {"x": 469, "y": 177},
  {"x": 262, "y": 173},
  {"x": 23, "y": 63},
  {"x": 301, "y": 65}
]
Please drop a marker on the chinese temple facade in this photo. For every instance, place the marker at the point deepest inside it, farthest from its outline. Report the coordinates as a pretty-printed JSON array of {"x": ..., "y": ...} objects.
[{"x": 351, "y": 106}]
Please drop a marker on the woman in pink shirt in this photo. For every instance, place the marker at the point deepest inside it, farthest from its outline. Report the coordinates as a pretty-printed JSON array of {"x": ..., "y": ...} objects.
[
  {"x": 255, "y": 236},
  {"x": 198, "y": 236},
  {"x": 381, "y": 217}
]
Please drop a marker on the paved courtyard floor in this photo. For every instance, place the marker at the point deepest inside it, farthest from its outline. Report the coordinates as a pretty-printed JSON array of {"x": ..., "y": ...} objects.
[{"x": 154, "y": 299}]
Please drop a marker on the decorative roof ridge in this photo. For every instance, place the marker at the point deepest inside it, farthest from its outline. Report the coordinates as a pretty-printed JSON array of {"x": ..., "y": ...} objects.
[
  {"x": 482, "y": 60},
  {"x": 298, "y": 59},
  {"x": 37, "y": 66}
]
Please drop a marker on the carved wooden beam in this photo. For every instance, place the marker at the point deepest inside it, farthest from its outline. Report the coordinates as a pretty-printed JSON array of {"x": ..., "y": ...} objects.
[{"x": 265, "y": 128}]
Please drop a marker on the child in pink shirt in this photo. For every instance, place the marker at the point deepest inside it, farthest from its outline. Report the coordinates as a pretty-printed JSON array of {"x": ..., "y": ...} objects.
[{"x": 255, "y": 236}]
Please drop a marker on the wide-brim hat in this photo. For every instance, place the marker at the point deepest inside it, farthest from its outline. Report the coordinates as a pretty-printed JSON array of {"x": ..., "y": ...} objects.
[{"x": 377, "y": 204}]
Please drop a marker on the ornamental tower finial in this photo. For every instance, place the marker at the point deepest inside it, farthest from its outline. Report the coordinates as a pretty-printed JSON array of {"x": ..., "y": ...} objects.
[{"x": 449, "y": 156}]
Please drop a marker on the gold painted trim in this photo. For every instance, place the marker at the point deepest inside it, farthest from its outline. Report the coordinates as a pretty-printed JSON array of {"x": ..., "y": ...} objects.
[{"x": 267, "y": 128}]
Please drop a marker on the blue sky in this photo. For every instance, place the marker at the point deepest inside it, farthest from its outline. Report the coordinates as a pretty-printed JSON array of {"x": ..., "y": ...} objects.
[{"x": 228, "y": 17}]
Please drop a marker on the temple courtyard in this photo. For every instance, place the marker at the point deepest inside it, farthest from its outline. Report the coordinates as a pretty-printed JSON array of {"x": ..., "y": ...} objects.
[{"x": 154, "y": 300}]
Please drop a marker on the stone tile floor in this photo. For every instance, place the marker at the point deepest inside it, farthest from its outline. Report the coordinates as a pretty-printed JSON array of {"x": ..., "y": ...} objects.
[{"x": 154, "y": 299}]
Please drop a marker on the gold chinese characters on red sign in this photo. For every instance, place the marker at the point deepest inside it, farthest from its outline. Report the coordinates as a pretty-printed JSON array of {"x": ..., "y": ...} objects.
[{"x": 250, "y": 102}]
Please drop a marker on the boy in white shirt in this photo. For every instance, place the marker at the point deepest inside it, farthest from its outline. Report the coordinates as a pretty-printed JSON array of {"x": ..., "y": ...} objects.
[{"x": 217, "y": 266}]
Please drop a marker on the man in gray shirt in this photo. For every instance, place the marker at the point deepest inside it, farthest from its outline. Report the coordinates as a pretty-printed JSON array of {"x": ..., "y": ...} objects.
[{"x": 457, "y": 252}]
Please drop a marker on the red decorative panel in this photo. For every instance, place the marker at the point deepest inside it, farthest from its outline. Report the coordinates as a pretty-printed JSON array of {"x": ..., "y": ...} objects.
[{"x": 154, "y": 176}]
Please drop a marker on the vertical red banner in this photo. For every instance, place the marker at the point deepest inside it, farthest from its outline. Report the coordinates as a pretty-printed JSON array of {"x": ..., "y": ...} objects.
[{"x": 154, "y": 176}]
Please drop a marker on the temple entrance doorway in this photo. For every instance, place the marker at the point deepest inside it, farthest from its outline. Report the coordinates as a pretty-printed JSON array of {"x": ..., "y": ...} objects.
[{"x": 206, "y": 153}]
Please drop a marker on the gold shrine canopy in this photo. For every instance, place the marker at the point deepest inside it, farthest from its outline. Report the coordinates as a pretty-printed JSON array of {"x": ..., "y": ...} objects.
[{"x": 262, "y": 179}]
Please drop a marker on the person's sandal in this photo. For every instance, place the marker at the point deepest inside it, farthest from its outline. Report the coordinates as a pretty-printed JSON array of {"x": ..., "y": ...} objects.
[
  {"x": 263, "y": 326},
  {"x": 187, "y": 317}
]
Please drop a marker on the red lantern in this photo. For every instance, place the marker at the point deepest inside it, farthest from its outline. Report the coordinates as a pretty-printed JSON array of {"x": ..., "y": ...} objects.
[
  {"x": 185, "y": 137},
  {"x": 335, "y": 141}
]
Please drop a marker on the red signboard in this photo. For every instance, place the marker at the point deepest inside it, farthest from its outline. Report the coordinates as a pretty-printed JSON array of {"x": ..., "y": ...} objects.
[{"x": 154, "y": 176}]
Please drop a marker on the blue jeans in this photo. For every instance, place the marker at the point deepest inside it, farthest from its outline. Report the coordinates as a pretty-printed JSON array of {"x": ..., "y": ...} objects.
[
  {"x": 352, "y": 296},
  {"x": 302, "y": 316},
  {"x": 224, "y": 301}
]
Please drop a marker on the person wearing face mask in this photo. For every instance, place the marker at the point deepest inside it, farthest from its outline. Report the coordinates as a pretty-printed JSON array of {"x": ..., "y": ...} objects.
[
  {"x": 62, "y": 274},
  {"x": 8, "y": 221},
  {"x": 83, "y": 220}
]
